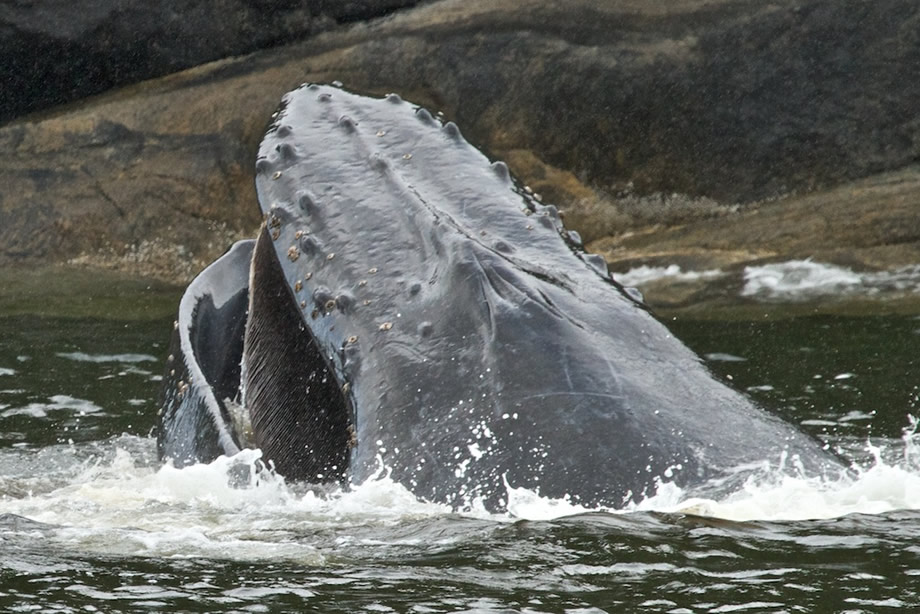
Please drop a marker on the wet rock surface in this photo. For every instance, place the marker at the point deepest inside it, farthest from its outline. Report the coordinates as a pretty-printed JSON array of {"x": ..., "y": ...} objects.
[
  {"x": 697, "y": 133},
  {"x": 872, "y": 224},
  {"x": 150, "y": 200}
]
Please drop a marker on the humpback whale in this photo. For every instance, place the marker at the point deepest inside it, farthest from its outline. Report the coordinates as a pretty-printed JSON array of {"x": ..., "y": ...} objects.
[{"x": 407, "y": 304}]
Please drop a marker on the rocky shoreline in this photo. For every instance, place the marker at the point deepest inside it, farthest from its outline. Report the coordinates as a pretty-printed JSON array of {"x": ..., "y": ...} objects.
[
  {"x": 869, "y": 225},
  {"x": 705, "y": 134}
]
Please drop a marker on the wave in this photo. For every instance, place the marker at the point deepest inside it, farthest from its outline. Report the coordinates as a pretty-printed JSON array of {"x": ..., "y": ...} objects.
[
  {"x": 641, "y": 275},
  {"x": 806, "y": 279}
]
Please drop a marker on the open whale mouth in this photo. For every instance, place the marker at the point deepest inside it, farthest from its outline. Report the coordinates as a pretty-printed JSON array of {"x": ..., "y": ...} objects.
[
  {"x": 244, "y": 371},
  {"x": 406, "y": 301}
]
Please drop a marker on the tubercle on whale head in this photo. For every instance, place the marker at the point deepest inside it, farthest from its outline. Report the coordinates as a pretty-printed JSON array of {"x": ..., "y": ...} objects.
[{"x": 286, "y": 151}]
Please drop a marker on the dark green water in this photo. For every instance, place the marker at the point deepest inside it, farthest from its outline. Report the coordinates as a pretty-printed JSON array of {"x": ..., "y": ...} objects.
[
  {"x": 855, "y": 374},
  {"x": 91, "y": 522}
]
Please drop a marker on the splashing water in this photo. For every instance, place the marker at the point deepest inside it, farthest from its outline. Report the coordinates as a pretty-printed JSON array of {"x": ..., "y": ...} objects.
[
  {"x": 238, "y": 509},
  {"x": 644, "y": 274}
]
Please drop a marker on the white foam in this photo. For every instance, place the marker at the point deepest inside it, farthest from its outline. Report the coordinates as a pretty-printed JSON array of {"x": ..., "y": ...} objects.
[
  {"x": 780, "y": 494},
  {"x": 121, "y": 358},
  {"x": 7, "y": 371},
  {"x": 776, "y": 492},
  {"x": 529, "y": 505},
  {"x": 641, "y": 275},
  {"x": 798, "y": 279},
  {"x": 880, "y": 489},
  {"x": 723, "y": 357},
  {"x": 234, "y": 508},
  {"x": 791, "y": 280}
]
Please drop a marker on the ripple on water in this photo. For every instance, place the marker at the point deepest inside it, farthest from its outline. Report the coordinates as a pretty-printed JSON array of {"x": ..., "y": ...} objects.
[
  {"x": 120, "y": 358},
  {"x": 57, "y": 403}
]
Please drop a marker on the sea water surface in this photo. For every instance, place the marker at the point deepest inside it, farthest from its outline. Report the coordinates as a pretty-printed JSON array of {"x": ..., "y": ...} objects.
[{"x": 91, "y": 522}]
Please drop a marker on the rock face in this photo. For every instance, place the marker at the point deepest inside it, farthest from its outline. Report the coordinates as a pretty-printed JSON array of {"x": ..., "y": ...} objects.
[
  {"x": 871, "y": 222},
  {"x": 94, "y": 185},
  {"x": 627, "y": 114},
  {"x": 55, "y": 51},
  {"x": 737, "y": 101}
]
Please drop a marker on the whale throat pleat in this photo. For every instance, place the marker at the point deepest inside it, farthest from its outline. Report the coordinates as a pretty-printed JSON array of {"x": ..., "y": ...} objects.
[{"x": 298, "y": 413}]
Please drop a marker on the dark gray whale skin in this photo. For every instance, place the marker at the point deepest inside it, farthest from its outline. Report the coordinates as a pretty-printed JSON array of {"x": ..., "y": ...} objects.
[{"x": 410, "y": 307}]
